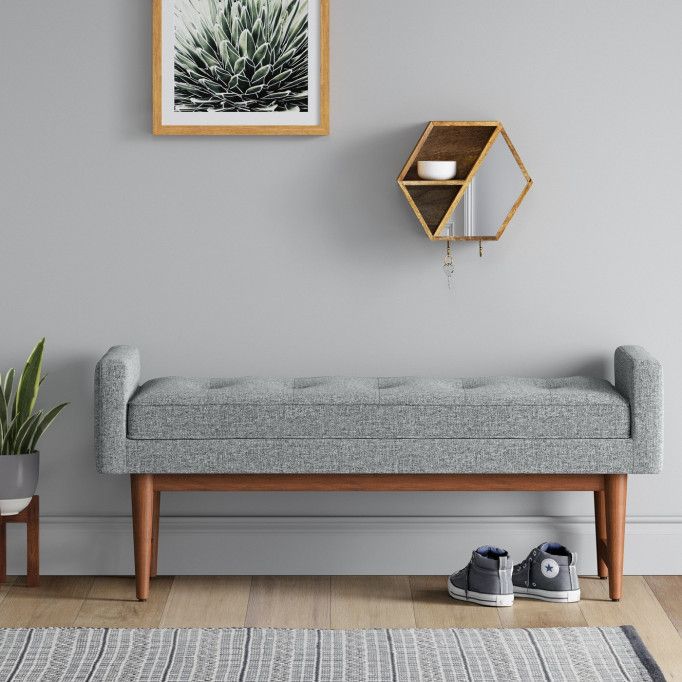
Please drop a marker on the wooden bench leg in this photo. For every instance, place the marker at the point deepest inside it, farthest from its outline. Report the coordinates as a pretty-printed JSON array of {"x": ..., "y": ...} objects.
[
  {"x": 155, "y": 534},
  {"x": 600, "y": 526},
  {"x": 615, "y": 494},
  {"x": 142, "y": 495}
]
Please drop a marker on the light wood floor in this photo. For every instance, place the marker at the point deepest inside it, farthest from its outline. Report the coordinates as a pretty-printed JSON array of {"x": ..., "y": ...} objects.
[{"x": 652, "y": 604}]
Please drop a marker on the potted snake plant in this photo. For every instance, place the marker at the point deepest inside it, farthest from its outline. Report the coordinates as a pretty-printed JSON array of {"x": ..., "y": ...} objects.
[{"x": 20, "y": 430}]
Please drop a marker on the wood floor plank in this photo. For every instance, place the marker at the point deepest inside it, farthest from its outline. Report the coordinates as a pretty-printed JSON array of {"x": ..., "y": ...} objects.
[
  {"x": 532, "y": 613},
  {"x": 4, "y": 587},
  {"x": 291, "y": 601},
  {"x": 668, "y": 592},
  {"x": 638, "y": 607},
  {"x": 207, "y": 601},
  {"x": 111, "y": 602},
  {"x": 54, "y": 603},
  {"x": 435, "y": 608},
  {"x": 371, "y": 601}
]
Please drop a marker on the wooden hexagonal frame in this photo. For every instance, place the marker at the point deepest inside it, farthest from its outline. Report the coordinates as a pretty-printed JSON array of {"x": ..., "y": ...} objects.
[{"x": 434, "y": 201}]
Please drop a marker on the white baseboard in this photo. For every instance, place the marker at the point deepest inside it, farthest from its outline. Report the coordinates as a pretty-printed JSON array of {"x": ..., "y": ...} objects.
[{"x": 332, "y": 545}]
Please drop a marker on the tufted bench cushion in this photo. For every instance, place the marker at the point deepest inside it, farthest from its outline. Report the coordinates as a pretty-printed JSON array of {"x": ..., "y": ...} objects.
[{"x": 400, "y": 407}]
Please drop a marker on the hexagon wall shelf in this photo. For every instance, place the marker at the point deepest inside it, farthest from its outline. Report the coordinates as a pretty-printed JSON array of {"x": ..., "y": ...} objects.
[{"x": 489, "y": 186}]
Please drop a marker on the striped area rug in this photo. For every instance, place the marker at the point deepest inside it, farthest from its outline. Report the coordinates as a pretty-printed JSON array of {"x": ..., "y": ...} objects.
[{"x": 251, "y": 654}]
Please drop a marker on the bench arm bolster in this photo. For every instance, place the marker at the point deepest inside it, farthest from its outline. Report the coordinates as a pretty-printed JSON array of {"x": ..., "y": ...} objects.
[
  {"x": 117, "y": 377},
  {"x": 639, "y": 379}
]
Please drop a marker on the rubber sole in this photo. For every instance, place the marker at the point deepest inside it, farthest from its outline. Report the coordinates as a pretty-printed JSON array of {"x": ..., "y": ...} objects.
[
  {"x": 548, "y": 595},
  {"x": 480, "y": 597}
]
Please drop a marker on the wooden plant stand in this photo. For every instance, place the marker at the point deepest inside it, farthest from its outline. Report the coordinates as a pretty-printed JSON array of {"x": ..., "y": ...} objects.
[{"x": 31, "y": 517}]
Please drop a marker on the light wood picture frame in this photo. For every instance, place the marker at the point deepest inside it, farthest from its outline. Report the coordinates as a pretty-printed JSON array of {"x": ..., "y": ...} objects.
[{"x": 240, "y": 67}]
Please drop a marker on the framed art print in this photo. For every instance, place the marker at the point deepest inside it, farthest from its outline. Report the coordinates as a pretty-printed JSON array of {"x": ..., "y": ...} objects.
[{"x": 240, "y": 67}]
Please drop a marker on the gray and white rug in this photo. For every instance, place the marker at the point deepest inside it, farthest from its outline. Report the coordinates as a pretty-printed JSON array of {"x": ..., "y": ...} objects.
[{"x": 252, "y": 654}]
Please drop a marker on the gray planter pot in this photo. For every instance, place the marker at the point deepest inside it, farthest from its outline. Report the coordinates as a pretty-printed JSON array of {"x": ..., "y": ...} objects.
[{"x": 18, "y": 481}]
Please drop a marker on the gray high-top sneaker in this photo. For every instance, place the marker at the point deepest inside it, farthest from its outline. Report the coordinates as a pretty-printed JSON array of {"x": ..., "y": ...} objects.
[
  {"x": 548, "y": 573},
  {"x": 486, "y": 579}
]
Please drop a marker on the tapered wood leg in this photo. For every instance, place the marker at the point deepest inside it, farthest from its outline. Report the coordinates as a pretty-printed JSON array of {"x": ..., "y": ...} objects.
[
  {"x": 142, "y": 495},
  {"x": 3, "y": 552},
  {"x": 33, "y": 543},
  {"x": 155, "y": 533},
  {"x": 615, "y": 500},
  {"x": 600, "y": 526}
]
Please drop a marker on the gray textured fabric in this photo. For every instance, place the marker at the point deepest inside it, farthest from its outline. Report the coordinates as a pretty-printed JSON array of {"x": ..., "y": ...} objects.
[
  {"x": 639, "y": 378},
  {"x": 117, "y": 377},
  {"x": 386, "y": 425},
  {"x": 378, "y": 421},
  {"x": 364, "y": 455},
  {"x": 401, "y": 407},
  {"x": 494, "y": 391},
  {"x": 611, "y": 654}
]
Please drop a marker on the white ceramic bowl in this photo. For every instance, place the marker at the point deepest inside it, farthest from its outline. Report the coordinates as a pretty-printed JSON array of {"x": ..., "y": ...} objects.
[{"x": 436, "y": 170}]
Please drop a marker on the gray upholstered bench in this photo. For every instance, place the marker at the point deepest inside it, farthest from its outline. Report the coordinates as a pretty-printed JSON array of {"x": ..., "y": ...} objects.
[{"x": 405, "y": 433}]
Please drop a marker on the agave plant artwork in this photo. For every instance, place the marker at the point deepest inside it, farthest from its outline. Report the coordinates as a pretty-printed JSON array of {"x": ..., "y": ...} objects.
[
  {"x": 20, "y": 426},
  {"x": 241, "y": 55}
]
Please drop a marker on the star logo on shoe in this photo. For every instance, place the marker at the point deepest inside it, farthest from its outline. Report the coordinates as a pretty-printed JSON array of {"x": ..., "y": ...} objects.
[{"x": 549, "y": 568}]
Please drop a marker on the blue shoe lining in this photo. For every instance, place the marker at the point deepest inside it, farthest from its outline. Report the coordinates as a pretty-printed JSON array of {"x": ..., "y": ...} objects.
[{"x": 490, "y": 552}]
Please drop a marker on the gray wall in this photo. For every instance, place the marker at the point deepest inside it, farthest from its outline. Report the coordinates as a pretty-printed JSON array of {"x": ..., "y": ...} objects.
[{"x": 300, "y": 256}]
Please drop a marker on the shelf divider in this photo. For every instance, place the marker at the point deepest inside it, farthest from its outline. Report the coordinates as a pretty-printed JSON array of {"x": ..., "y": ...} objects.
[{"x": 435, "y": 183}]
